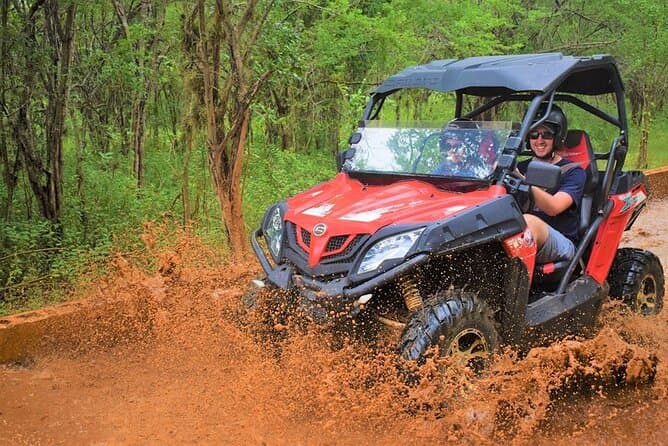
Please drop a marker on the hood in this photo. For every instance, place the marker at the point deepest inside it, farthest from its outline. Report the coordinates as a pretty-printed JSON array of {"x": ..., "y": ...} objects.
[{"x": 344, "y": 208}]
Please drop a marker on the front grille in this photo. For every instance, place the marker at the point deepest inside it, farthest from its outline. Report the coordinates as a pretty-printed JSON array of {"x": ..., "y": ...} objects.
[
  {"x": 306, "y": 237},
  {"x": 350, "y": 249},
  {"x": 336, "y": 242},
  {"x": 292, "y": 239},
  {"x": 299, "y": 245}
]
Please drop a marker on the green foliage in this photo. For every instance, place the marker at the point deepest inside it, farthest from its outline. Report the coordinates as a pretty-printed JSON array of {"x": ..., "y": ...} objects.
[
  {"x": 323, "y": 58},
  {"x": 657, "y": 147},
  {"x": 274, "y": 175},
  {"x": 30, "y": 258},
  {"x": 455, "y": 29}
]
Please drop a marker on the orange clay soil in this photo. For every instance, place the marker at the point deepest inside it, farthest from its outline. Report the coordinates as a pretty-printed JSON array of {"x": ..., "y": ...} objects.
[{"x": 166, "y": 359}]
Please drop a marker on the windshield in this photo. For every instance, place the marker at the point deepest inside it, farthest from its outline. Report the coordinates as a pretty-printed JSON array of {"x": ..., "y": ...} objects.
[{"x": 461, "y": 149}]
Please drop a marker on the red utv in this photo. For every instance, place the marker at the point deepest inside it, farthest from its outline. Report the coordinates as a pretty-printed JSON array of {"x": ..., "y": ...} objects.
[{"x": 434, "y": 243}]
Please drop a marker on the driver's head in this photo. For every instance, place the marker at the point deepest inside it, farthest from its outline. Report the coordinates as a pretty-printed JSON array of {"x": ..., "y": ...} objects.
[
  {"x": 452, "y": 146},
  {"x": 450, "y": 140},
  {"x": 541, "y": 141},
  {"x": 550, "y": 134}
]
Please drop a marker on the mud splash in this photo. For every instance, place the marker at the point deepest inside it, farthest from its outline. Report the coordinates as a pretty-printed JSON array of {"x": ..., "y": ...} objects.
[{"x": 165, "y": 358}]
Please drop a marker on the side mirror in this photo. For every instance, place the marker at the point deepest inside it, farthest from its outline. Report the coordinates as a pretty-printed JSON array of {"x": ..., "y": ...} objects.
[
  {"x": 344, "y": 156},
  {"x": 542, "y": 174}
]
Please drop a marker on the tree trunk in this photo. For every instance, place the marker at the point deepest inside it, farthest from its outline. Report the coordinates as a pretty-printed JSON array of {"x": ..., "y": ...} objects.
[
  {"x": 644, "y": 126},
  {"x": 191, "y": 123},
  {"x": 144, "y": 49},
  {"x": 36, "y": 172},
  {"x": 22, "y": 127},
  {"x": 228, "y": 105},
  {"x": 125, "y": 138},
  {"x": 61, "y": 38},
  {"x": 138, "y": 118},
  {"x": 279, "y": 131},
  {"x": 10, "y": 167},
  {"x": 139, "y": 107},
  {"x": 228, "y": 190},
  {"x": 185, "y": 181},
  {"x": 46, "y": 175},
  {"x": 80, "y": 139},
  {"x": 642, "y": 148}
]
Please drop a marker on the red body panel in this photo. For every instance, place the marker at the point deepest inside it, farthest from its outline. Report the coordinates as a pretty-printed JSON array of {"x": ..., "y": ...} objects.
[
  {"x": 608, "y": 236},
  {"x": 524, "y": 246},
  {"x": 347, "y": 207}
]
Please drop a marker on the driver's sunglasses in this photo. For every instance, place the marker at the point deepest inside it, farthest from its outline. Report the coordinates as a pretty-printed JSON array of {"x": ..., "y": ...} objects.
[
  {"x": 451, "y": 143},
  {"x": 545, "y": 134}
]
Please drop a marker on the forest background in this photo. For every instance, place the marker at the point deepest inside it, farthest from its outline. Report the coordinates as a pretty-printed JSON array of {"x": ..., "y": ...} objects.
[{"x": 120, "y": 114}]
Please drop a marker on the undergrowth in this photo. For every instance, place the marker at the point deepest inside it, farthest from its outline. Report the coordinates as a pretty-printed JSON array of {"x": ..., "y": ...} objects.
[{"x": 106, "y": 215}]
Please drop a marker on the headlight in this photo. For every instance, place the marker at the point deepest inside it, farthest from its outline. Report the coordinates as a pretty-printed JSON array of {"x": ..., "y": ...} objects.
[
  {"x": 273, "y": 231},
  {"x": 394, "y": 247}
]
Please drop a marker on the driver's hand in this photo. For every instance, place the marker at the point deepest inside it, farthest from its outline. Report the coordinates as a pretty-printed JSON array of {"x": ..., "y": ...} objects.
[{"x": 513, "y": 181}]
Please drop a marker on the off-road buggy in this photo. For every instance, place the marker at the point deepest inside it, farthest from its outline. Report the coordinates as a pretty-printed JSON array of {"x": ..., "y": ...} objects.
[{"x": 435, "y": 245}]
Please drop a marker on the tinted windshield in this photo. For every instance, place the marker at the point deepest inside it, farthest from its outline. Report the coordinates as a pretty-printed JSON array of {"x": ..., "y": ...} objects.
[{"x": 461, "y": 150}]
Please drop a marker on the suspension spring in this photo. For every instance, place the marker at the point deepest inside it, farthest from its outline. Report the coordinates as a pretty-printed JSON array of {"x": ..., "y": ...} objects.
[{"x": 412, "y": 297}]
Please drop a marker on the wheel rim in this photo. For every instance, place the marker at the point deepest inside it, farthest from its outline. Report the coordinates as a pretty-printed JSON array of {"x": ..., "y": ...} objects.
[
  {"x": 469, "y": 347},
  {"x": 645, "y": 300}
]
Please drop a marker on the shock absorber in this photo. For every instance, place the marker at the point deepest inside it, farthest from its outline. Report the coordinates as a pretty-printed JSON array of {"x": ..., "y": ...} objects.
[{"x": 412, "y": 297}]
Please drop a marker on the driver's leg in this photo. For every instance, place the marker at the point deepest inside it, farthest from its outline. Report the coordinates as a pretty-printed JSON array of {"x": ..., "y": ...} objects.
[
  {"x": 538, "y": 228},
  {"x": 552, "y": 245}
]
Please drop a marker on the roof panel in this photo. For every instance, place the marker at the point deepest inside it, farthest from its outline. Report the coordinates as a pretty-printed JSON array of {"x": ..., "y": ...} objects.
[{"x": 493, "y": 75}]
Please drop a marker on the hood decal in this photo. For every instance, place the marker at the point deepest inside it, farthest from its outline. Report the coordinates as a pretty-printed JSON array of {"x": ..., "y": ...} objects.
[
  {"x": 377, "y": 214},
  {"x": 320, "y": 211},
  {"x": 369, "y": 216}
]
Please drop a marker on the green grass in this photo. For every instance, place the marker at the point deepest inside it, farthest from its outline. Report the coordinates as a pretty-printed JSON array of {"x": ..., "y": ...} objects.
[{"x": 657, "y": 149}]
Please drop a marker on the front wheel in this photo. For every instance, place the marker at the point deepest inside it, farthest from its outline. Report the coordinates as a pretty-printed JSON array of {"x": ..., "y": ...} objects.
[
  {"x": 636, "y": 277},
  {"x": 456, "y": 321},
  {"x": 267, "y": 312}
]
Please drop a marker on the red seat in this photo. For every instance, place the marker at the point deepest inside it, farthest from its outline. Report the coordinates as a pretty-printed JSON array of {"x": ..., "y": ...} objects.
[{"x": 578, "y": 149}]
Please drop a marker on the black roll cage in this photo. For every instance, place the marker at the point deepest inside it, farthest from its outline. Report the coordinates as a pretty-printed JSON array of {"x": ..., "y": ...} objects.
[
  {"x": 536, "y": 98},
  {"x": 614, "y": 158}
]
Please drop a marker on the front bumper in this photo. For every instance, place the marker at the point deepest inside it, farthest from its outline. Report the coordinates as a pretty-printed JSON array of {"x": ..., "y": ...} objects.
[{"x": 327, "y": 300}]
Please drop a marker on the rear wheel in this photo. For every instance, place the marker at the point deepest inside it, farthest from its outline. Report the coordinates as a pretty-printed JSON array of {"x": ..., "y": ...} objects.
[
  {"x": 636, "y": 277},
  {"x": 456, "y": 321}
]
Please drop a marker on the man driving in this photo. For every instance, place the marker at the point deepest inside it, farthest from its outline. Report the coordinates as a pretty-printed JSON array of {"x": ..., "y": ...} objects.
[{"x": 554, "y": 220}]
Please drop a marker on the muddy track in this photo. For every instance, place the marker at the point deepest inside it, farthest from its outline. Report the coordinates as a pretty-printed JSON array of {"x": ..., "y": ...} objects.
[{"x": 166, "y": 358}]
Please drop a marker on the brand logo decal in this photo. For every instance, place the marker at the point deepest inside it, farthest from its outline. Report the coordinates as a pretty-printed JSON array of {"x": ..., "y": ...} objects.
[
  {"x": 631, "y": 201},
  {"x": 528, "y": 238},
  {"x": 319, "y": 229}
]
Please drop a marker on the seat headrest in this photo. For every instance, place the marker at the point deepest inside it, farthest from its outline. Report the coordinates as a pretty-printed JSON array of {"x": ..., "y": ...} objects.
[{"x": 577, "y": 148}]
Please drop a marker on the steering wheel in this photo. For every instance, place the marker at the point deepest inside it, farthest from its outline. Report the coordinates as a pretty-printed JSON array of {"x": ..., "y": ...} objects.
[{"x": 463, "y": 123}]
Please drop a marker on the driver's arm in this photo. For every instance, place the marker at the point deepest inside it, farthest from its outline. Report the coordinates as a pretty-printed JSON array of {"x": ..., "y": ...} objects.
[
  {"x": 570, "y": 191},
  {"x": 551, "y": 204}
]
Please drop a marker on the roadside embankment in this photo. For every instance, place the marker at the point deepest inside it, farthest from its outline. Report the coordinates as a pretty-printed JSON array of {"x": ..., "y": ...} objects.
[
  {"x": 21, "y": 335},
  {"x": 658, "y": 182}
]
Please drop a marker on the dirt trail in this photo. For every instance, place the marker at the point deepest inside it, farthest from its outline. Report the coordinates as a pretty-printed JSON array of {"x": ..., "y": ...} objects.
[{"x": 172, "y": 364}]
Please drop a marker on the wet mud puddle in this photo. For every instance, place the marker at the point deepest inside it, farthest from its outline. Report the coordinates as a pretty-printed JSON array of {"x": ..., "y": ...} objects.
[{"x": 170, "y": 363}]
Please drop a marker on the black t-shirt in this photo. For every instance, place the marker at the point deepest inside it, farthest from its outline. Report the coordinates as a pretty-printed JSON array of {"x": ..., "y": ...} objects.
[{"x": 572, "y": 182}]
